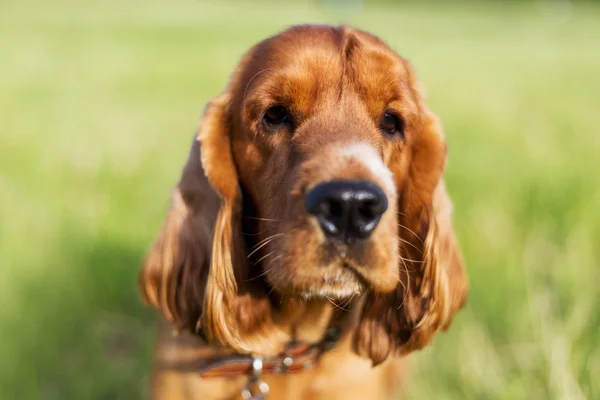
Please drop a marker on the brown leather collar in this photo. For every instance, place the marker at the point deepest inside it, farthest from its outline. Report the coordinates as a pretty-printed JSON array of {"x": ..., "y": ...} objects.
[{"x": 297, "y": 357}]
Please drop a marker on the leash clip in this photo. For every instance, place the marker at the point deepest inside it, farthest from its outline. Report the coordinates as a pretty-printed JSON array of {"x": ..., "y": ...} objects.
[{"x": 256, "y": 383}]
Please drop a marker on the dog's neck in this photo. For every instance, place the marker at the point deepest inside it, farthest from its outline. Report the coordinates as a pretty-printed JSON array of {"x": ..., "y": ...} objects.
[
  {"x": 299, "y": 320},
  {"x": 307, "y": 320}
]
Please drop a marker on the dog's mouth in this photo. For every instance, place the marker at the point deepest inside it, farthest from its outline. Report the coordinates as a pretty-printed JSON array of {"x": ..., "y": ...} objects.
[
  {"x": 306, "y": 263},
  {"x": 339, "y": 283}
]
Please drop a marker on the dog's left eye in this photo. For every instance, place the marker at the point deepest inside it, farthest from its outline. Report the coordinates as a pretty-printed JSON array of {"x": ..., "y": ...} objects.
[
  {"x": 277, "y": 116},
  {"x": 392, "y": 125}
]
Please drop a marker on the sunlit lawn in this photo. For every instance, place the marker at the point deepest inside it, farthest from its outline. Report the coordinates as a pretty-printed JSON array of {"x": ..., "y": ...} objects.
[{"x": 98, "y": 103}]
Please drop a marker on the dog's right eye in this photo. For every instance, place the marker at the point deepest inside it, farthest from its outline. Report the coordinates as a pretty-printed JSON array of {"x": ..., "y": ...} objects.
[
  {"x": 277, "y": 116},
  {"x": 392, "y": 125}
]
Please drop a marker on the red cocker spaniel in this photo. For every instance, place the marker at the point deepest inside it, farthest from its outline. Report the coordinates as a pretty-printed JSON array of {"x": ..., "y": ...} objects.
[{"x": 309, "y": 241}]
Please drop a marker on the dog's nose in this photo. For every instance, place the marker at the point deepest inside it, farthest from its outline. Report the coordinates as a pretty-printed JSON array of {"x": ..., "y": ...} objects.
[{"x": 347, "y": 209}]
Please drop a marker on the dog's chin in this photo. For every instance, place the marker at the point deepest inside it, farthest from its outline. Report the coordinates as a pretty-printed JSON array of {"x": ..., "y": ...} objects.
[
  {"x": 340, "y": 284},
  {"x": 334, "y": 282}
]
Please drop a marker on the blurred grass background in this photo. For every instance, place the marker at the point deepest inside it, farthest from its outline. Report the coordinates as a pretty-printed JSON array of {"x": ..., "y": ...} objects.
[{"x": 99, "y": 100}]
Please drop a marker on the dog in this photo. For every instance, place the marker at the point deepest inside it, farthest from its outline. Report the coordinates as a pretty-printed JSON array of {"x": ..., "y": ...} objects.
[{"x": 309, "y": 242}]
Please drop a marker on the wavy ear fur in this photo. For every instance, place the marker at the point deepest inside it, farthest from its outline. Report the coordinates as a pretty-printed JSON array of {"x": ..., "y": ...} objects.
[
  {"x": 196, "y": 273},
  {"x": 433, "y": 287},
  {"x": 433, "y": 283},
  {"x": 173, "y": 275}
]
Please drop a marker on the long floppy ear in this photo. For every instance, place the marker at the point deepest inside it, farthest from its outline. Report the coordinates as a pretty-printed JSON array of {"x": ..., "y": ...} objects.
[
  {"x": 173, "y": 274},
  {"x": 433, "y": 287},
  {"x": 433, "y": 283},
  {"x": 197, "y": 272}
]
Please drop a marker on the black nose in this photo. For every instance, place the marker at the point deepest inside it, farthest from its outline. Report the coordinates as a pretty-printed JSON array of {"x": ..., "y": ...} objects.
[{"x": 347, "y": 209}]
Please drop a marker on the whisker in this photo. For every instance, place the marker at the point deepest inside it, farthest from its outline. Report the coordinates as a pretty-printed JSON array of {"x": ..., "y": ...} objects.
[
  {"x": 258, "y": 233},
  {"x": 267, "y": 228},
  {"x": 263, "y": 257},
  {"x": 410, "y": 244},
  {"x": 406, "y": 216},
  {"x": 271, "y": 291},
  {"x": 410, "y": 260},
  {"x": 349, "y": 301},
  {"x": 263, "y": 243},
  {"x": 336, "y": 305},
  {"x": 403, "y": 300},
  {"x": 250, "y": 81},
  {"x": 269, "y": 237},
  {"x": 407, "y": 275},
  {"x": 417, "y": 236},
  {"x": 266, "y": 271},
  {"x": 263, "y": 219}
]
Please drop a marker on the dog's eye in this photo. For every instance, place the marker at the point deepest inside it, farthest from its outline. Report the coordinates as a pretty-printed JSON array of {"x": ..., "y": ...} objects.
[
  {"x": 392, "y": 125},
  {"x": 276, "y": 117}
]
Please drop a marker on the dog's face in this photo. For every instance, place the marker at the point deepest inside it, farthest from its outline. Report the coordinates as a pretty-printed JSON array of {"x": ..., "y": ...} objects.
[
  {"x": 319, "y": 176},
  {"x": 323, "y": 133}
]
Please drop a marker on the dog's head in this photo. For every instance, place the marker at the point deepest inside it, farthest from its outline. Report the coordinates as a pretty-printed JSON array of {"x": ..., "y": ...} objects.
[{"x": 315, "y": 174}]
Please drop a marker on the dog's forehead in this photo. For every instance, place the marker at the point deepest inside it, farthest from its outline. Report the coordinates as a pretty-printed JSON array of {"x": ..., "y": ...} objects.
[
  {"x": 340, "y": 41},
  {"x": 308, "y": 64}
]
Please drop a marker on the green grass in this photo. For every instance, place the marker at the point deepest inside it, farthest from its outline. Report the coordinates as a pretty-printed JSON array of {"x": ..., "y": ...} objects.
[{"x": 98, "y": 103}]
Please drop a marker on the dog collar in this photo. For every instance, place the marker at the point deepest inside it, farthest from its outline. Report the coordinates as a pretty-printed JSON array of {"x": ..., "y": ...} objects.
[{"x": 296, "y": 358}]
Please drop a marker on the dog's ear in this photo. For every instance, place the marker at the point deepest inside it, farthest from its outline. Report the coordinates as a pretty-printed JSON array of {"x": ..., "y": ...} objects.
[
  {"x": 433, "y": 287},
  {"x": 237, "y": 313},
  {"x": 173, "y": 274},
  {"x": 438, "y": 287},
  {"x": 433, "y": 283},
  {"x": 197, "y": 271}
]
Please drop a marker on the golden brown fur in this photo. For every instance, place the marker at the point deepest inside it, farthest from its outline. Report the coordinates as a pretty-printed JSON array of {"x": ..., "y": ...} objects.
[{"x": 240, "y": 266}]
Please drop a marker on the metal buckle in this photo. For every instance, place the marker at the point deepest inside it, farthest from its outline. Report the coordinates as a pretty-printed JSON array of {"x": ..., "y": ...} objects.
[
  {"x": 256, "y": 382},
  {"x": 286, "y": 363}
]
